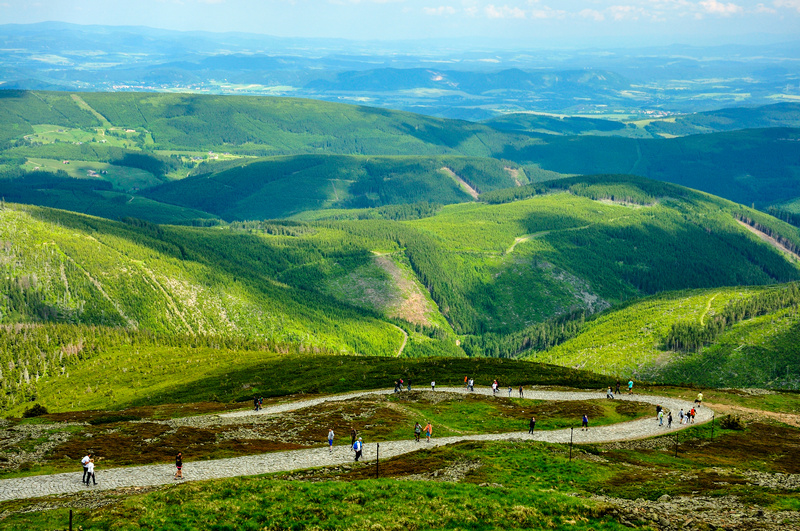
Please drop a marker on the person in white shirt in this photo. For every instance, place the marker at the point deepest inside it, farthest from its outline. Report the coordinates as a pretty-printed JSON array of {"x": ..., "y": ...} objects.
[
  {"x": 85, "y": 462},
  {"x": 330, "y": 439},
  {"x": 90, "y": 472}
]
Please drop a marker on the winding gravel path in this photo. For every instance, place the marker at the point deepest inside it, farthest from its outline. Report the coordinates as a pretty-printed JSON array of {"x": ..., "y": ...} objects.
[{"x": 149, "y": 475}]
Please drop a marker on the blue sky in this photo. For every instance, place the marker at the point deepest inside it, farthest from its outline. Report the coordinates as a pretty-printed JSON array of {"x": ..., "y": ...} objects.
[{"x": 560, "y": 23}]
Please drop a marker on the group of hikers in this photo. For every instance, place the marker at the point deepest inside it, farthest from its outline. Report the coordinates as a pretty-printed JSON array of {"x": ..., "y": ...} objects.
[
  {"x": 357, "y": 444},
  {"x": 610, "y": 393}
]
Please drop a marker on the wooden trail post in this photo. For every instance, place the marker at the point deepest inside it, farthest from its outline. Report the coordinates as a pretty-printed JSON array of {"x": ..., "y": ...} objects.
[
  {"x": 677, "y": 433},
  {"x": 378, "y": 461},
  {"x": 570, "y": 443},
  {"x": 712, "y": 425},
  {"x": 70, "y": 520}
]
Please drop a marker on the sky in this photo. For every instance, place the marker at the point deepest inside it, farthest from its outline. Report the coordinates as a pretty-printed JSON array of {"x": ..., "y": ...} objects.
[{"x": 561, "y": 23}]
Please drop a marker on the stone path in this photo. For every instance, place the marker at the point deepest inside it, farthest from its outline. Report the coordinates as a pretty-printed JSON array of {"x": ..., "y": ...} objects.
[{"x": 149, "y": 475}]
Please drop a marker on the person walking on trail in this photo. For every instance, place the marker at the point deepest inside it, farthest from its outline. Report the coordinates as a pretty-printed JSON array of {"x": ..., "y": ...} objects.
[
  {"x": 494, "y": 387},
  {"x": 630, "y": 387},
  {"x": 521, "y": 394},
  {"x": 661, "y": 418},
  {"x": 699, "y": 399},
  {"x": 417, "y": 431},
  {"x": 179, "y": 466},
  {"x": 609, "y": 394},
  {"x": 692, "y": 413},
  {"x": 433, "y": 385},
  {"x": 669, "y": 420},
  {"x": 330, "y": 439},
  {"x": 681, "y": 416},
  {"x": 428, "y": 431},
  {"x": 585, "y": 423},
  {"x": 617, "y": 390},
  {"x": 471, "y": 385},
  {"x": 255, "y": 403},
  {"x": 532, "y": 425},
  {"x": 90, "y": 473},
  {"x": 466, "y": 382},
  {"x": 658, "y": 411},
  {"x": 409, "y": 385},
  {"x": 85, "y": 463},
  {"x": 357, "y": 448},
  {"x": 509, "y": 391},
  {"x": 353, "y": 435},
  {"x": 396, "y": 387}
]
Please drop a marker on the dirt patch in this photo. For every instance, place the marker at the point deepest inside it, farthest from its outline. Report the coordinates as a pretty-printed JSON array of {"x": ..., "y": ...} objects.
[
  {"x": 462, "y": 183},
  {"x": 413, "y": 306},
  {"x": 163, "y": 411},
  {"x": 514, "y": 173},
  {"x": 768, "y": 239}
]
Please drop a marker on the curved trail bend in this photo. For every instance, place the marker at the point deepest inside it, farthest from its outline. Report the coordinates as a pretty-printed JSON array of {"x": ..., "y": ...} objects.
[{"x": 150, "y": 475}]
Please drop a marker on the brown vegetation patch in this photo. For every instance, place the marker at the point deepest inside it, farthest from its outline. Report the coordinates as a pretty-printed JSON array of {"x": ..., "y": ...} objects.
[{"x": 163, "y": 411}]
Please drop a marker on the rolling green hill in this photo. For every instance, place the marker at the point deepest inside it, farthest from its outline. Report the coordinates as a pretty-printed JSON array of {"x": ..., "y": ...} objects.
[
  {"x": 758, "y": 166},
  {"x": 283, "y": 186},
  {"x": 757, "y": 349},
  {"x": 492, "y": 275}
]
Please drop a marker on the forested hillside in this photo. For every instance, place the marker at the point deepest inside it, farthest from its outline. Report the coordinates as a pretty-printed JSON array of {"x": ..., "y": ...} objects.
[{"x": 499, "y": 278}]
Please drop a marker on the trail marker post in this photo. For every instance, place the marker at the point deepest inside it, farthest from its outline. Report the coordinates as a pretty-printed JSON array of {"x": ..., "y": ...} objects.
[
  {"x": 378, "y": 461},
  {"x": 712, "y": 425},
  {"x": 70, "y": 520},
  {"x": 677, "y": 433},
  {"x": 570, "y": 443}
]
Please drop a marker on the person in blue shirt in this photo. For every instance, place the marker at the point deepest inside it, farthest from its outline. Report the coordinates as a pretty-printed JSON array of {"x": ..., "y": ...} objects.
[{"x": 357, "y": 448}]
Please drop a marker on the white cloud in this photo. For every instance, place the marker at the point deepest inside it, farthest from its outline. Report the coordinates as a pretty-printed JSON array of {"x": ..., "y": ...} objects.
[
  {"x": 720, "y": 8},
  {"x": 441, "y": 10},
  {"x": 626, "y": 12},
  {"x": 547, "y": 12},
  {"x": 761, "y": 8},
  {"x": 789, "y": 4},
  {"x": 505, "y": 11},
  {"x": 592, "y": 14}
]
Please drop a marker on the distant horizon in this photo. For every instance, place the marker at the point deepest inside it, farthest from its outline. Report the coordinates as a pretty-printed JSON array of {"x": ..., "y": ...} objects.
[{"x": 570, "y": 24}]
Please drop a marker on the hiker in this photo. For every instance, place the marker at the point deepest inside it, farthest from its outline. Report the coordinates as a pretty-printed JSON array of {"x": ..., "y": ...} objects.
[
  {"x": 255, "y": 403},
  {"x": 417, "y": 431},
  {"x": 661, "y": 418},
  {"x": 428, "y": 431},
  {"x": 494, "y": 387},
  {"x": 85, "y": 464},
  {"x": 532, "y": 425},
  {"x": 261, "y": 403},
  {"x": 630, "y": 387},
  {"x": 658, "y": 411},
  {"x": 466, "y": 382},
  {"x": 396, "y": 387},
  {"x": 669, "y": 420},
  {"x": 353, "y": 435},
  {"x": 178, "y": 466},
  {"x": 433, "y": 385},
  {"x": 521, "y": 394},
  {"x": 400, "y": 388},
  {"x": 509, "y": 391},
  {"x": 472, "y": 385},
  {"x": 699, "y": 399},
  {"x": 692, "y": 413},
  {"x": 90, "y": 472},
  {"x": 617, "y": 386},
  {"x": 330, "y": 439},
  {"x": 409, "y": 385},
  {"x": 681, "y": 415},
  {"x": 357, "y": 447},
  {"x": 609, "y": 394},
  {"x": 585, "y": 423}
]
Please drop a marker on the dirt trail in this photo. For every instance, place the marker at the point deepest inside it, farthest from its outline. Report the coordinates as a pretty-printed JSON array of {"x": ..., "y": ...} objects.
[
  {"x": 708, "y": 309},
  {"x": 787, "y": 418},
  {"x": 464, "y": 186}
]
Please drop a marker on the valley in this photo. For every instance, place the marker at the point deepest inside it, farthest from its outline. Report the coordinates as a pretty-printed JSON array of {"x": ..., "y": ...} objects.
[{"x": 166, "y": 258}]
